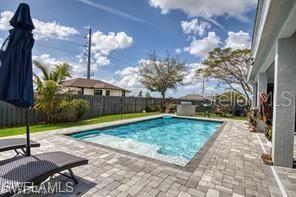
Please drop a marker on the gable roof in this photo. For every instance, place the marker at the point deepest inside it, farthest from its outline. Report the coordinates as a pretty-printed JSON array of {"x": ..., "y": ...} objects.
[
  {"x": 196, "y": 97},
  {"x": 90, "y": 83}
]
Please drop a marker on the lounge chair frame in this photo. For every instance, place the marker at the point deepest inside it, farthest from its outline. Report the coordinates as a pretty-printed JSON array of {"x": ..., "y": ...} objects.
[
  {"x": 54, "y": 163},
  {"x": 16, "y": 144}
]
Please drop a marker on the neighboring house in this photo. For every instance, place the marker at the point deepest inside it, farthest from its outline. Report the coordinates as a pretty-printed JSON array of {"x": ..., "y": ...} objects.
[
  {"x": 193, "y": 97},
  {"x": 93, "y": 87},
  {"x": 273, "y": 70}
]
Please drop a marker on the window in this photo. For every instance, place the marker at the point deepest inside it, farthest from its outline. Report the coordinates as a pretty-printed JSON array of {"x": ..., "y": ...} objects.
[
  {"x": 80, "y": 91},
  {"x": 123, "y": 93},
  {"x": 107, "y": 92},
  {"x": 98, "y": 92}
]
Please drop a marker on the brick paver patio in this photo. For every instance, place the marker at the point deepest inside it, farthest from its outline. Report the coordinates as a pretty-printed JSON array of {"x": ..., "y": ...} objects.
[{"x": 231, "y": 167}]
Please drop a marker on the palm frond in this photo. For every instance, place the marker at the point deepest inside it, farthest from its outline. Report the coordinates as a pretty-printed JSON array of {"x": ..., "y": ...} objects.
[
  {"x": 60, "y": 72},
  {"x": 43, "y": 69}
]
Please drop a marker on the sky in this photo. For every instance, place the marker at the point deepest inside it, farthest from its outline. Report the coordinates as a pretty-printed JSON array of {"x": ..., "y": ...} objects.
[{"x": 125, "y": 32}]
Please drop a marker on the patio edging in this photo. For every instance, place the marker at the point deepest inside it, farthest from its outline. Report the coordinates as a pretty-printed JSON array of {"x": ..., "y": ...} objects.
[{"x": 189, "y": 167}]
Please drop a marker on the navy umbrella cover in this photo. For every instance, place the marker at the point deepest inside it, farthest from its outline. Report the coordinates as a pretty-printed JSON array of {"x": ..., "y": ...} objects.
[{"x": 16, "y": 77}]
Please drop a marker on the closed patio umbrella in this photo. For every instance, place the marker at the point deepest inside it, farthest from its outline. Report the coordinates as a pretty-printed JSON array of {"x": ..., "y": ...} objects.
[{"x": 16, "y": 78}]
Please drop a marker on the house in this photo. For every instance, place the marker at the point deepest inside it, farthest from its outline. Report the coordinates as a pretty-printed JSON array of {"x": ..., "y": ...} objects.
[
  {"x": 93, "y": 87},
  {"x": 194, "y": 97},
  {"x": 273, "y": 71}
]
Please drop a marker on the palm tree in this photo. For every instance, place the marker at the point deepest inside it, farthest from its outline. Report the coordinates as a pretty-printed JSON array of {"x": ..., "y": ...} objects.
[{"x": 49, "y": 87}]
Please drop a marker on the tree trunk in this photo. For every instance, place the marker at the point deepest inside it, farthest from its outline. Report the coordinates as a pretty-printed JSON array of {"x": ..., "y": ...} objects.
[
  {"x": 163, "y": 97},
  {"x": 162, "y": 101}
]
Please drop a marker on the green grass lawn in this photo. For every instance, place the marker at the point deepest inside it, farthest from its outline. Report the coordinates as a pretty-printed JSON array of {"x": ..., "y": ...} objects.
[
  {"x": 228, "y": 116},
  {"x": 10, "y": 131}
]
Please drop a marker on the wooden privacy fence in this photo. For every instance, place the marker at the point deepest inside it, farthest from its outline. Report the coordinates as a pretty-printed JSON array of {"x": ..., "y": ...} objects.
[
  {"x": 10, "y": 115},
  {"x": 104, "y": 105},
  {"x": 99, "y": 105}
]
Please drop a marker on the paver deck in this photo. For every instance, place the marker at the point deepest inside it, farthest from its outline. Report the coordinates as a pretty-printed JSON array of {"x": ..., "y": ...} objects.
[{"x": 231, "y": 167}]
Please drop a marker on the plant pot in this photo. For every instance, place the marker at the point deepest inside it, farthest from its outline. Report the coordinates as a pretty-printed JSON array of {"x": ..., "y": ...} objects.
[
  {"x": 266, "y": 158},
  {"x": 253, "y": 129}
]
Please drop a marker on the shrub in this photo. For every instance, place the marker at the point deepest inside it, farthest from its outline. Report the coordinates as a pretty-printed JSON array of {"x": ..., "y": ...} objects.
[
  {"x": 268, "y": 132},
  {"x": 252, "y": 117},
  {"x": 81, "y": 107},
  {"x": 153, "y": 108},
  {"x": 162, "y": 109},
  {"x": 71, "y": 110},
  {"x": 148, "y": 109},
  {"x": 237, "y": 112}
]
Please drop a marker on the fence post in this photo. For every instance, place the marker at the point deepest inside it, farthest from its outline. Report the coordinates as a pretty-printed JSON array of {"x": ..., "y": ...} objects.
[
  {"x": 135, "y": 104},
  {"x": 103, "y": 103}
]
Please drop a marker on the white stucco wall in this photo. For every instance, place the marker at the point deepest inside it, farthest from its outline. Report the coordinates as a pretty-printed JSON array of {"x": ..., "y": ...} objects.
[
  {"x": 115, "y": 93},
  {"x": 88, "y": 91}
]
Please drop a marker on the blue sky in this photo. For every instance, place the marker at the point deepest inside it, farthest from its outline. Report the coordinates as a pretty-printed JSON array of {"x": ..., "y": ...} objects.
[{"x": 126, "y": 31}]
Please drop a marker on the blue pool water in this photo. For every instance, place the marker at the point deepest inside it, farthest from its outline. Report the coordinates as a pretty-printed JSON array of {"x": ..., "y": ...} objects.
[{"x": 175, "y": 140}]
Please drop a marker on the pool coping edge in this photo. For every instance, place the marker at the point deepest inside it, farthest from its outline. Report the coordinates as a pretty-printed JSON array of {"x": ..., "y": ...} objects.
[{"x": 189, "y": 167}]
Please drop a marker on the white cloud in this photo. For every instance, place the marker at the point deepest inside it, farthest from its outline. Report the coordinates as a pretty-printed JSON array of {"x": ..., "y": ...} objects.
[
  {"x": 5, "y": 17},
  {"x": 200, "y": 48},
  {"x": 190, "y": 80},
  {"x": 43, "y": 30},
  {"x": 103, "y": 44},
  {"x": 207, "y": 8},
  {"x": 128, "y": 78},
  {"x": 44, "y": 59},
  {"x": 190, "y": 77},
  {"x": 81, "y": 58},
  {"x": 47, "y": 60},
  {"x": 52, "y": 30},
  {"x": 195, "y": 27},
  {"x": 178, "y": 51},
  {"x": 238, "y": 40},
  {"x": 101, "y": 60}
]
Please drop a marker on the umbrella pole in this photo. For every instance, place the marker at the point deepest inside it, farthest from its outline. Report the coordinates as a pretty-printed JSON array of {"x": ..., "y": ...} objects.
[{"x": 28, "y": 151}]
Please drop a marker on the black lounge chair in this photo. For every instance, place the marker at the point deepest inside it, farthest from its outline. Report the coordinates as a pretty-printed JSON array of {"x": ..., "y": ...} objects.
[
  {"x": 16, "y": 144},
  {"x": 36, "y": 169}
]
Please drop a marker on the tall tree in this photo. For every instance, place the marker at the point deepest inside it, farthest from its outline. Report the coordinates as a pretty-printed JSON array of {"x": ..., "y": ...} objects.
[
  {"x": 229, "y": 67},
  {"x": 159, "y": 75},
  {"x": 48, "y": 87}
]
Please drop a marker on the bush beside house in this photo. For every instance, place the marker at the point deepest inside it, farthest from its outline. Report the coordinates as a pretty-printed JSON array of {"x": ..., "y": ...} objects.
[{"x": 71, "y": 110}]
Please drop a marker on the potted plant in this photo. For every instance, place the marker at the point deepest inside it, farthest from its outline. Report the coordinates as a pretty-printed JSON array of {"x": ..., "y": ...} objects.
[
  {"x": 252, "y": 117},
  {"x": 253, "y": 128},
  {"x": 267, "y": 158},
  {"x": 263, "y": 106},
  {"x": 268, "y": 132}
]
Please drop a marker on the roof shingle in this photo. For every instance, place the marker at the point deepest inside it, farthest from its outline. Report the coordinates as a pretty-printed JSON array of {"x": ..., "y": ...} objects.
[{"x": 91, "y": 83}]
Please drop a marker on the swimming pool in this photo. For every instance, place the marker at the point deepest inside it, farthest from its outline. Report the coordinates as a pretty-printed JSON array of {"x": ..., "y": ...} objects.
[{"x": 170, "y": 139}]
